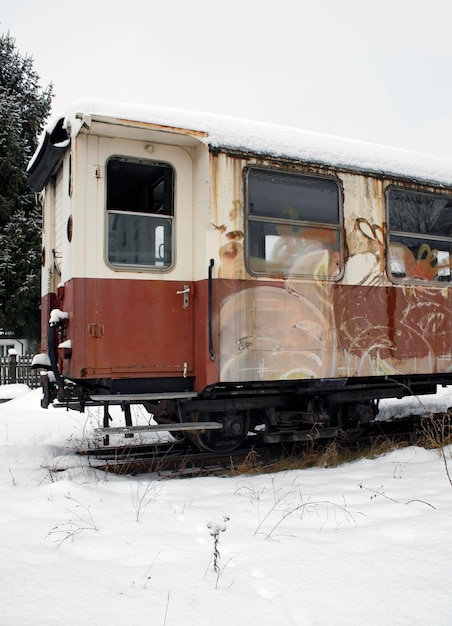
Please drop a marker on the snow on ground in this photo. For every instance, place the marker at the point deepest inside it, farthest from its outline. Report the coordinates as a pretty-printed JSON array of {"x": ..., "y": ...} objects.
[{"x": 364, "y": 543}]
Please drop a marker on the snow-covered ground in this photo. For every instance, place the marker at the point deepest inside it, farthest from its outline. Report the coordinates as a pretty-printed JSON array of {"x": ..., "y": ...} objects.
[{"x": 367, "y": 543}]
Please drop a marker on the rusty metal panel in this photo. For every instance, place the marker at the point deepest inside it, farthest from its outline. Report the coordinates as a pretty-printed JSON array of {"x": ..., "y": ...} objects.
[{"x": 131, "y": 328}]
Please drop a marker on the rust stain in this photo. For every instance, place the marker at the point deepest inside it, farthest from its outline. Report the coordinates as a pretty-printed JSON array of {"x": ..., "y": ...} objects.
[
  {"x": 229, "y": 251},
  {"x": 163, "y": 128},
  {"x": 231, "y": 257},
  {"x": 391, "y": 313},
  {"x": 235, "y": 234},
  {"x": 221, "y": 228},
  {"x": 215, "y": 193},
  {"x": 234, "y": 211}
]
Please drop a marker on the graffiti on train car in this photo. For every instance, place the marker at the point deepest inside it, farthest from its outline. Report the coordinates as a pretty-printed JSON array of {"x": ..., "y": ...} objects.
[{"x": 322, "y": 329}]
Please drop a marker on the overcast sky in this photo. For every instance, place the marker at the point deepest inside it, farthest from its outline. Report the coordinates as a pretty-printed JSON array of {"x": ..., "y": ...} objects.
[{"x": 378, "y": 72}]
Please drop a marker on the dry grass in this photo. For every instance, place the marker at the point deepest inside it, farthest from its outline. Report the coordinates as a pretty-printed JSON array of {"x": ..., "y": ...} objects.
[
  {"x": 436, "y": 434},
  {"x": 436, "y": 431},
  {"x": 306, "y": 456}
]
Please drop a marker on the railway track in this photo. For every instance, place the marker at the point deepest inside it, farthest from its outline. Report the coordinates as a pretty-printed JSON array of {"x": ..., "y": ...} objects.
[
  {"x": 181, "y": 459},
  {"x": 171, "y": 459}
]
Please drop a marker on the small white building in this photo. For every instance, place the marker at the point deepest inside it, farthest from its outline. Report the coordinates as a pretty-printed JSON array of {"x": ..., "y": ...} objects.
[{"x": 10, "y": 342}]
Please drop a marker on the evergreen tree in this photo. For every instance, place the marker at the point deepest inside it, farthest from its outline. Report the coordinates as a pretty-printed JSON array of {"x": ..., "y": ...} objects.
[
  {"x": 24, "y": 108},
  {"x": 20, "y": 243}
]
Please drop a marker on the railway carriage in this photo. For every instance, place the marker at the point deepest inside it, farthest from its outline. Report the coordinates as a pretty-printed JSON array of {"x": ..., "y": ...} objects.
[{"x": 237, "y": 277}]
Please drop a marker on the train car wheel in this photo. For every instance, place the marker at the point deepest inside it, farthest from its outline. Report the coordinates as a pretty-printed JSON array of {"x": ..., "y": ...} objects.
[{"x": 234, "y": 431}]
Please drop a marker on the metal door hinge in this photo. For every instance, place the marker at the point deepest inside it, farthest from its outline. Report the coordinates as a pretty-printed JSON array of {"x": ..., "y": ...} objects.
[{"x": 96, "y": 330}]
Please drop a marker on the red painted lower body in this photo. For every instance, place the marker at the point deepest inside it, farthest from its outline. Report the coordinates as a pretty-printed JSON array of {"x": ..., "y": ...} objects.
[
  {"x": 251, "y": 331},
  {"x": 122, "y": 329}
]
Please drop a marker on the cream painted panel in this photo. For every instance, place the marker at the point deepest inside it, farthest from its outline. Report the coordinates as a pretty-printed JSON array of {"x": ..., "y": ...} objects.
[
  {"x": 48, "y": 237},
  {"x": 95, "y": 155},
  {"x": 56, "y": 213},
  {"x": 201, "y": 219},
  {"x": 85, "y": 240},
  {"x": 63, "y": 245}
]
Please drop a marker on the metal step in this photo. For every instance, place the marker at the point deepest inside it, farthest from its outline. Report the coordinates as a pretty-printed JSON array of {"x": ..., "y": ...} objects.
[
  {"x": 149, "y": 428},
  {"x": 138, "y": 398}
]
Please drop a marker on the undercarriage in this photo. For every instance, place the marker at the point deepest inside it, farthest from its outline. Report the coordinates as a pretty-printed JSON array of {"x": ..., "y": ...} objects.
[{"x": 224, "y": 415}]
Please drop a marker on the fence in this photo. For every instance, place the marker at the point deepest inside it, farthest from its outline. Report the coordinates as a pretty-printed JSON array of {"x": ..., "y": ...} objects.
[{"x": 17, "y": 369}]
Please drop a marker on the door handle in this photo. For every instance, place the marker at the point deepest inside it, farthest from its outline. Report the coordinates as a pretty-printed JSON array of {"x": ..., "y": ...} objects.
[{"x": 186, "y": 293}]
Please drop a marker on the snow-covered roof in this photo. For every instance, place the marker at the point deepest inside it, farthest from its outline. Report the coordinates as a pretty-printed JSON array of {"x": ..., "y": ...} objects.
[{"x": 279, "y": 141}]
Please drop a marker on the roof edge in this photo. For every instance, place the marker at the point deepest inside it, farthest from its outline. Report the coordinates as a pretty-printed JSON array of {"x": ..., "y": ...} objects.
[{"x": 48, "y": 157}]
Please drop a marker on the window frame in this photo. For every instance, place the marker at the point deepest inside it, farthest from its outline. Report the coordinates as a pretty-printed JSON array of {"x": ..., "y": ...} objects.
[
  {"x": 251, "y": 218},
  {"x": 415, "y": 237},
  {"x": 158, "y": 217}
]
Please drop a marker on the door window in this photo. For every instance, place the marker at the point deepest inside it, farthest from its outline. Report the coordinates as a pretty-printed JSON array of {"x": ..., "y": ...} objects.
[{"x": 140, "y": 212}]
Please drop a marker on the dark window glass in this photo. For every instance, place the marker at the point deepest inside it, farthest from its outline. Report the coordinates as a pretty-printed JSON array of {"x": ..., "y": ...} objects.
[
  {"x": 140, "y": 210},
  {"x": 293, "y": 225},
  {"x": 420, "y": 236}
]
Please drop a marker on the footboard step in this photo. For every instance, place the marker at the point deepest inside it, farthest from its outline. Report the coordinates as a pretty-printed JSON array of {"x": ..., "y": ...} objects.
[
  {"x": 137, "y": 398},
  {"x": 149, "y": 428}
]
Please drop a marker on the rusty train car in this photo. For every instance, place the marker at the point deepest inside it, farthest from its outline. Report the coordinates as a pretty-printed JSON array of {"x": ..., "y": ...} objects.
[{"x": 236, "y": 277}]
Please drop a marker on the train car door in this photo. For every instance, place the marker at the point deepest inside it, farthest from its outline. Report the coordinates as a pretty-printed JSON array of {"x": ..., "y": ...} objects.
[{"x": 139, "y": 304}]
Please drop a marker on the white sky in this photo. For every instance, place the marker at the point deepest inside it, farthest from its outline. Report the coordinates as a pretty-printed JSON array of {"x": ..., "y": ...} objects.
[{"x": 373, "y": 72}]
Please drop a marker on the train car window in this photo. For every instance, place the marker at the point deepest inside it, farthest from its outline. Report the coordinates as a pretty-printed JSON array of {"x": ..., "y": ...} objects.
[
  {"x": 140, "y": 210},
  {"x": 420, "y": 236},
  {"x": 293, "y": 225}
]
